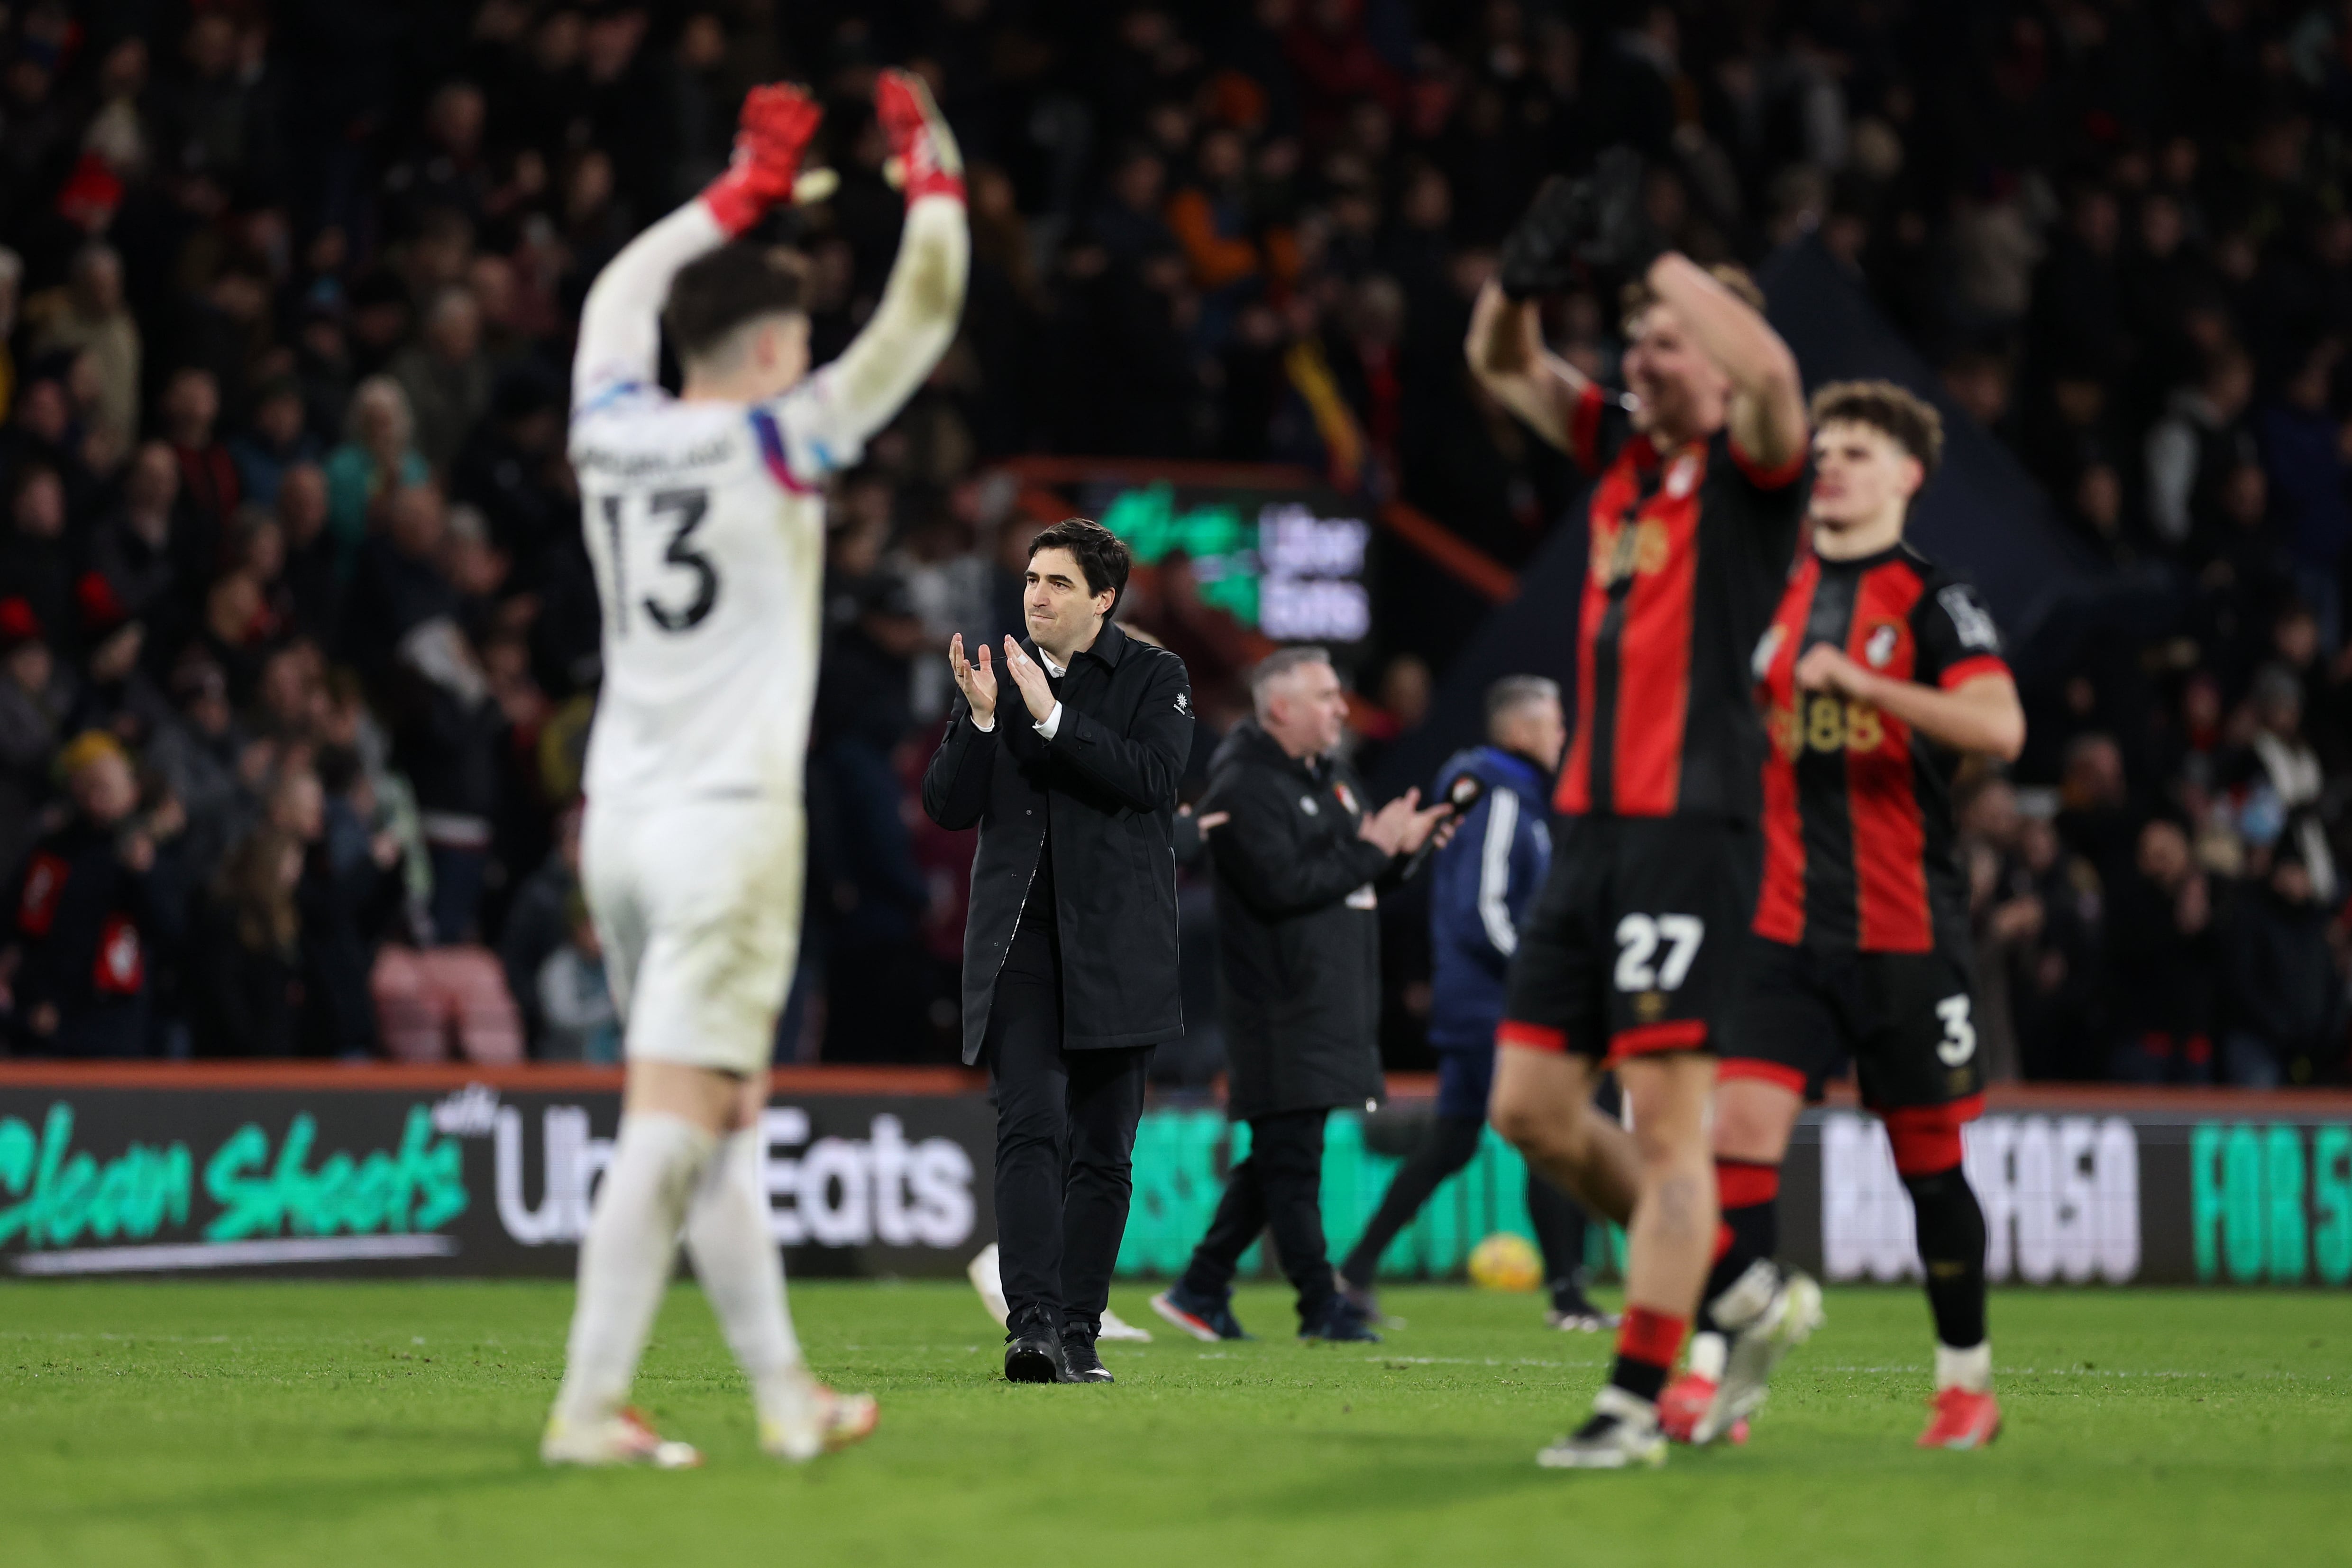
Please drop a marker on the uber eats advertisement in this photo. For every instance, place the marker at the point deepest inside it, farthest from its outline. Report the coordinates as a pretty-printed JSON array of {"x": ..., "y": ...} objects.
[{"x": 484, "y": 1182}]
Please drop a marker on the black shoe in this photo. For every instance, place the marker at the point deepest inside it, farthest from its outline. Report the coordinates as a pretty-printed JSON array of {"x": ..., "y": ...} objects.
[
  {"x": 1572, "y": 1313},
  {"x": 1033, "y": 1355},
  {"x": 1206, "y": 1318},
  {"x": 1341, "y": 1323},
  {"x": 1079, "y": 1361}
]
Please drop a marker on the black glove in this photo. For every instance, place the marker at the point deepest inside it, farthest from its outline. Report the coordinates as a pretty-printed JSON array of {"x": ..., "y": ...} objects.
[
  {"x": 1540, "y": 256},
  {"x": 1577, "y": 227},
  {"x": 1620, "y": 239}
]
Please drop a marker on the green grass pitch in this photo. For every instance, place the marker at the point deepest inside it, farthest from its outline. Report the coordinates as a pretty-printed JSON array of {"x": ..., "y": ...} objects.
[{"x": 350, "y": 1425}]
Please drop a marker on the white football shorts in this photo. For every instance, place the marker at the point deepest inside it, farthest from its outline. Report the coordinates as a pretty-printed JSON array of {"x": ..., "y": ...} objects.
[{"x": 697, "y": 904}]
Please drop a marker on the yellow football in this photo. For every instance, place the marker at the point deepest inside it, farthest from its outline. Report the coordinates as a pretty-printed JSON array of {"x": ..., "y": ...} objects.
[{"x": 1506, "y": 1261}]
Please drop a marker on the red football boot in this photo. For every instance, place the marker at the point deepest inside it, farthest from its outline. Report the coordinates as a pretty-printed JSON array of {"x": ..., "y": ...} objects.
[
  {"x": 1963, "y": 1420},
  {"x": 1684, "y": 1401}
]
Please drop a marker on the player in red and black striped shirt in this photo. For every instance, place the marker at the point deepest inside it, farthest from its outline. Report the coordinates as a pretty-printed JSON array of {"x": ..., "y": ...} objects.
[
  {"x": 1880, "y": 669},
  {"x": 1629, "y": 954}
]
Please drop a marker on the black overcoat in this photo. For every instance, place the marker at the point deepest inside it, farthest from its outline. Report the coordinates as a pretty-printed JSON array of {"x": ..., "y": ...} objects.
[
  {"x": 1298, "y": 934},
  {"x": 1106, "y": 784}
]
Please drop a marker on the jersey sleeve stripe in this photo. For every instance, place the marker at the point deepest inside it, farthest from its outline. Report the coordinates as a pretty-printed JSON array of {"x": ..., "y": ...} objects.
[
  {"x": 606, "y": 396},
  {"x": 1975, "y": 668},
  {"x": 1494, "y": 871},
  {"x": 771, "y": 452}
]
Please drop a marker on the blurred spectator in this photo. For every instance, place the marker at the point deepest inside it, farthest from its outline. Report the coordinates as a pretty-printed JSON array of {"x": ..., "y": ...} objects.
[
  {"x": 278, "y": 440},
  {"x": 36, "y": 562},
  {"x": 246, "y": 968},
  {"x": 539, "y": 921},
  {"x": 2162, "y": 963},
  {"x": 447, "y": 376},
  {"x": 208, "y": 480},
  {"x": 578, "y": 1020},
  {"x": 89, "y": 315},
  {"x": 91, "y": 909},
  {"x": 377, "y": 457},
  {"x": 2286, "y": 1012},
  {"x": 33, "y": 703}
]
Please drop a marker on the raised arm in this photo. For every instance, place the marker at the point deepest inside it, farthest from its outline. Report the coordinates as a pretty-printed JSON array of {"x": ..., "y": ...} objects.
[
  {"x": 827, "y": 418},
  {"x": 1506, "y": 353},
  {"x": 620, "y": 323},
  {"x": 1768, "y": 394}
]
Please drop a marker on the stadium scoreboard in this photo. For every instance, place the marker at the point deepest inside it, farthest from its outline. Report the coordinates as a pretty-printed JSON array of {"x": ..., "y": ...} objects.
[{"x": 1292, "y": 564}]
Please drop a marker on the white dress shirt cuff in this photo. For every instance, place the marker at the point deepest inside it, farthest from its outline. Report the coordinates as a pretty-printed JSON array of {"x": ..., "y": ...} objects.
[
  {"x": 1050, "y": 724},
  {"x": 987, "y": 729}
]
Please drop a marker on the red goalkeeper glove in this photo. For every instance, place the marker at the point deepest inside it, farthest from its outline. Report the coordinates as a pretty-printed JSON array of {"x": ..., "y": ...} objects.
[
  {"x": 924, "y": 149},
  {"x": 769, "y": 139}
]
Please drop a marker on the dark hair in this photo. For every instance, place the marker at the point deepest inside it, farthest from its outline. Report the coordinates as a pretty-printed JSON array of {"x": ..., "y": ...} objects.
[
  {"x": 1913, "y": 422},
  {"x": 714, "y": 294},
  {"x": 1101, "y": 554}
]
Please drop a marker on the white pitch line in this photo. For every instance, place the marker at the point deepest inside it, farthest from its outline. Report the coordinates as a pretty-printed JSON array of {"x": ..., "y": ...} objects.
[{"x": 232, "y": 1254}]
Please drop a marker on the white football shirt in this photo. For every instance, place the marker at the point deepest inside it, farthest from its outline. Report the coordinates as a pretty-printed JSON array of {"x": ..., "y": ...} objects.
[{"x": 705, "y": 526}]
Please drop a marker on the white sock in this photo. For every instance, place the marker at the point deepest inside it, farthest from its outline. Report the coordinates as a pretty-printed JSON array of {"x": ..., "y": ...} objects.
[
  {"x": 626, "y": 1259},
  {"x": 1709, "y": 1354},
  {"x": 1970, "y": 1368},
  {"x": 735, "y": 1257}
]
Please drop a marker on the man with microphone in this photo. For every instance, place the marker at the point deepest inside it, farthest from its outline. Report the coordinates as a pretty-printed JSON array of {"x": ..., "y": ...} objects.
[
  {"x": 1069, "y": 969},
  {"x": 1297, "y": 872}
]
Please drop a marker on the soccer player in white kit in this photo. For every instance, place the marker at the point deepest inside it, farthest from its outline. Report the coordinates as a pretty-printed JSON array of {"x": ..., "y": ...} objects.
[{"x": 704, "y": 523}]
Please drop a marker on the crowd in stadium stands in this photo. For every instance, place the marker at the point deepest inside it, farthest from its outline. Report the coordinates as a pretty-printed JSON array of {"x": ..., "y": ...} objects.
[{"x": 297, "y": 641}]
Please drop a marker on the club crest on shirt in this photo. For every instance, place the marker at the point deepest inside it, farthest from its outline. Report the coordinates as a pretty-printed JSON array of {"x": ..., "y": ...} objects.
[
  {"x": 1682, "y": 475},
  {"x": 1878, "y": 652},
  {"x": 1184, "y": 704},
  {"x": 1767, "y": 648},
  {"x": 1346, "y": 796}
]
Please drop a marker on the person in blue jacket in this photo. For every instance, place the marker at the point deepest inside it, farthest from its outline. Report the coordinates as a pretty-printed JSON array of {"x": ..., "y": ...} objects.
[{"x": 1481, "y": 883}]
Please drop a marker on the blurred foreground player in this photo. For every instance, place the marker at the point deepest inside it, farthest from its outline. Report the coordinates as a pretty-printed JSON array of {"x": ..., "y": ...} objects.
[
  {"x": 1481, "y": 885},
  {"x": 705, "y": 526},
  {"x": 1630, "y": 957},
  {"x": 1880, "y": 669}
]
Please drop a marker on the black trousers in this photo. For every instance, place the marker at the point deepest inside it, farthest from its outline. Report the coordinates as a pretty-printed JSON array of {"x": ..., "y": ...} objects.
[
  {"x": 1280, "y": 1186},
  {"x": 1065, "y": 1146}
]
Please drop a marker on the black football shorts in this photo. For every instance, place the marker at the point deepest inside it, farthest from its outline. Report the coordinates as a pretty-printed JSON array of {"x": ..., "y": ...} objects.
[
  {"x": 1907, "y": 1019},
  {"x": 1637, "y": 941}
]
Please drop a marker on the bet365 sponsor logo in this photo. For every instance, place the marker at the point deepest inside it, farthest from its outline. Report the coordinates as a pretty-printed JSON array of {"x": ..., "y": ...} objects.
[
  {"x": 2060, "y": 1198},
  {"x": 2272, "y": 1203},
  {"x": 883, "y": 1189}
]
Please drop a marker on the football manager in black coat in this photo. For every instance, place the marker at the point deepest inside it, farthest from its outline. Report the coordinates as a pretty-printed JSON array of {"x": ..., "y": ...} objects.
[
  {"x": 1067, "y": 758},
  {"x": 1297, "y": 869}
]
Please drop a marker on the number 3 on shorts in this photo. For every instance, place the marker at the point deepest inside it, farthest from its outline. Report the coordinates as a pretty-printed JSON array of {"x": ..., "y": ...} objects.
[
  {"x": 1959, "y": 1041},
  {"x": 1638, "y": 937}
]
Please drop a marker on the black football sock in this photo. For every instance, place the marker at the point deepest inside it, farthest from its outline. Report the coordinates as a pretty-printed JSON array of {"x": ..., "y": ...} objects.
[
  {"x": 1952, "y": 1248},
  {"x": 1750, "y": 1191}
]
